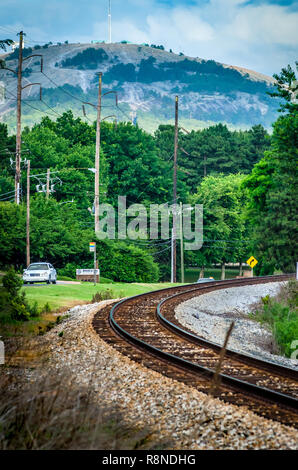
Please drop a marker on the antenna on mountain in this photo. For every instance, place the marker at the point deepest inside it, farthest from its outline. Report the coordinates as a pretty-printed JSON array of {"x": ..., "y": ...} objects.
[{"x": 110, "y": 23}]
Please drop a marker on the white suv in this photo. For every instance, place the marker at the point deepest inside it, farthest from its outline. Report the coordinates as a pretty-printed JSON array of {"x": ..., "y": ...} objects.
[{"x": 40, "y": 272}]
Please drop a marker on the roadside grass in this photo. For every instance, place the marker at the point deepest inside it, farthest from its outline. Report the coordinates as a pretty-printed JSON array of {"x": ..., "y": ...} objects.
[
  {"x": 61, "y": 297},
  {"x": 53, "y": 300}
]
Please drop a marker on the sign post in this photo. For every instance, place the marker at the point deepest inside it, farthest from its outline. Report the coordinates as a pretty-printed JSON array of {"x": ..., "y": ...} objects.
[
  {"x": 252, "y": 262},
  {"x": 92, "y": 248}
]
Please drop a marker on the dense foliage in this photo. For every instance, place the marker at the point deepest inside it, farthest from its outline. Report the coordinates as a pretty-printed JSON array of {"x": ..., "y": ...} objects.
[
  {"x": 273, "y": 191},
  {"x": 224, "y": 225},
  {"x": 280, "y": 315},
  {"x": 245, "y": 180},
  {"x": 89, "y": 58},
  {"x": 213, "y": 150}
]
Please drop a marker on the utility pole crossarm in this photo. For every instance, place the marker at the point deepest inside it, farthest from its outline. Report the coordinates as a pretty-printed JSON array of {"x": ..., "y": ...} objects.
[
  {"x": 36, "y": 55},
  {"x": 30, "y": 84},
  {"x": 114, "y": 92}
]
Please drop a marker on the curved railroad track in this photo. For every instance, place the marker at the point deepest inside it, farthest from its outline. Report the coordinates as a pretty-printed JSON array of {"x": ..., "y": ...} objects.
[{"x": 145, "y": 329}]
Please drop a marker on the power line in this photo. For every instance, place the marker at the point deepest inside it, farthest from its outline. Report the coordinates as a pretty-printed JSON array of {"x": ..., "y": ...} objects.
[
  {"x": 4, "y": 194},
  {"x": 27, "y": 104},
  {"x": 153, "y": 243},
  {"x": 70, "y": 94},
  {"x": 64, "y": 91},
  {"x": 123, "y": 112},
  {"x": 48, "y": 106}
]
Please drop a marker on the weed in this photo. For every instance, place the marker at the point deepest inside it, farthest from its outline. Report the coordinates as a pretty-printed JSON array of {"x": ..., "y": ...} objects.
[
  {"x": 46, "y": 308},
  {"x": 103, "y": 295},
  {"x": 54, "y": 413},
  {"x": 281, "y": 316}
]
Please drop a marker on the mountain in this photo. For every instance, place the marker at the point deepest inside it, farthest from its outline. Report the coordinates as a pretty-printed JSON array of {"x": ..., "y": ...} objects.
[{"x": 146, "y": 78}]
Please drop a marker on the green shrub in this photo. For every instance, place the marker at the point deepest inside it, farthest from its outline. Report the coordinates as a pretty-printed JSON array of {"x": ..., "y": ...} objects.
[
  {"x": 281, "y": 316},
  {"x": 105, "y": 280},
  {"x": 65, "y": 278},
  {"x": 34, "y": 312},
  {"x": 12, "y": 283},
  {"x": 46, "y": 308},
  {"x": 285, "y": 333},
  {"x": 103, "y": 295},
  {"x": 13, "y": 303},
  {"x": 69, "y": 271},
  {"x": 18, "y": 310}
]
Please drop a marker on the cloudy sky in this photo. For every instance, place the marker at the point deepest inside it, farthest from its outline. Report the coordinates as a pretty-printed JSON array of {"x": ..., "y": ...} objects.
[{"x": 259, "y": 34}]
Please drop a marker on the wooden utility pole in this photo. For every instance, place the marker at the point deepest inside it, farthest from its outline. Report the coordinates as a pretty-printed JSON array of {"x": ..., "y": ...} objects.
[
  {"x": 28, "y": 216},
  {"x": 175, "y": 187},
  {"x": 19, "y": 110},
  {"x": 181, "y": 244},
  {"x": 97, "y": 156},
  {"x": 18, "y": 135},
  {"x": 48, "y": 183}
]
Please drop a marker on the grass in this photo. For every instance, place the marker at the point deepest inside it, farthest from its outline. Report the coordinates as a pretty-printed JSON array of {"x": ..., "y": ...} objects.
[
  {"x": 61, "y": 297},
  {"x": 54, "y": 413},
  {"x": 280, "y": 315},
  {"x": 52, "y": 300}
]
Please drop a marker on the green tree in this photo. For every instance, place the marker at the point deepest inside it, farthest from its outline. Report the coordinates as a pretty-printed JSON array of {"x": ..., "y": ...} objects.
[
  {"x": 273, "y": 191},
  {"x": 273, "y": 186},
  {"x": 224, "y": 225},
  {"x": 212, "y": 151},
  {"x": 135, "y": 170},
  {"x": 286, "y": 88},
  {"x": 13, "y": 303}
]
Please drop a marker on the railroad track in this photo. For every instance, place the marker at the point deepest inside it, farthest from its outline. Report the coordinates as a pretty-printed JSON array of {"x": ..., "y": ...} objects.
[{"x": 145, "y": 329}]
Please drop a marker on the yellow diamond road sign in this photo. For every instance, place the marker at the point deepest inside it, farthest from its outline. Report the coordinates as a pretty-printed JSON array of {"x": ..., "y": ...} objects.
[{"x": 252, "y": 261}]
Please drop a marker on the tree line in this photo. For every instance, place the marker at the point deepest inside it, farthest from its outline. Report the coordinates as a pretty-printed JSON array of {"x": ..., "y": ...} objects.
[{"x": 244, "y": 179}]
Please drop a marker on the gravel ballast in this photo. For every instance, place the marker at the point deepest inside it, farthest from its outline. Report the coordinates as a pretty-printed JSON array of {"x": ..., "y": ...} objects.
[
  {"x": 174, "y": 412},
  {"x": 210, "y": 315}
]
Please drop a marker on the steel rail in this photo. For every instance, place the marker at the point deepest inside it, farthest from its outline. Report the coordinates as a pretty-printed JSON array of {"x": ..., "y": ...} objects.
[
  {"x": 246, "y": 358},
  {"x": 255, "y": 390}
]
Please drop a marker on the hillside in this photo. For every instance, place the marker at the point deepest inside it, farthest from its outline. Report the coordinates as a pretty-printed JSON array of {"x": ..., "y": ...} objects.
[{"x": 146, "y": 79}]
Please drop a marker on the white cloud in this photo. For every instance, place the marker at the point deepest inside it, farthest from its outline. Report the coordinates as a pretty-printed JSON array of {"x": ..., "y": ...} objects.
[
  {"x": 179, "y": 23},
  {"x": 261, "y": 37},
  {"x": 121, "y": 30}
]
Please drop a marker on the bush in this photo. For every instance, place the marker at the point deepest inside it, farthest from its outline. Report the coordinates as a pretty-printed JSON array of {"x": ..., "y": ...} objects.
[
  {"x": 103, "y": 295},
  {"x": 12, "y": 283},
  {"x": 69, "y": 271},
  {"x": 280, "y": 314},
  {"x": 13, "y": 303}
]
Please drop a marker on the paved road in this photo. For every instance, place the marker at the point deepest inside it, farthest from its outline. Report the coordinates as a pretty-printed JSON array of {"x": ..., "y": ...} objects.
[{"x": 44, "y": 284}]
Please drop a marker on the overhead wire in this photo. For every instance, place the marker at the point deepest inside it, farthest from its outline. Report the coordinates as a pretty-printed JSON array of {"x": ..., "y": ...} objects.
[{"x": 31, "y": 106}]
